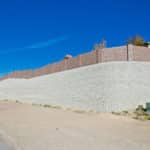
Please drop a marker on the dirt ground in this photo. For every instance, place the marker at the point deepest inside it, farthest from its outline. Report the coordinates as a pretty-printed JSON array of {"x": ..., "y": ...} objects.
[{"x": 38, "y": 128}]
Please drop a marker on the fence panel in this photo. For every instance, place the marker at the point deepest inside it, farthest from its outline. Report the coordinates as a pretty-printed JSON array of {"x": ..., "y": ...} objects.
[
  {"x": 114, "y": 54},
  {"x": 72, "y": 63},
  {"x": 88, "y": 58},
  {"x": 141, "y": 53}
]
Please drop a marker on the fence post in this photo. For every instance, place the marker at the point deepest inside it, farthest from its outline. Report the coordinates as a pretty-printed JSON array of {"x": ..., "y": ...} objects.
[
  {"x": 66, "y": 58},
  {"x": 98, "y": 55},
  {"x": 79, "y": 60},
  {"x": 65, "y": 64},
  {"x": 130, "y": 52}
]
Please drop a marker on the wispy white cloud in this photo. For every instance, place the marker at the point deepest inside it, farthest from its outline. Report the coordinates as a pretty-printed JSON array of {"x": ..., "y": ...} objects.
[
  {"x": 39, "y": 45},
  {"x": 47, "y": 43}
]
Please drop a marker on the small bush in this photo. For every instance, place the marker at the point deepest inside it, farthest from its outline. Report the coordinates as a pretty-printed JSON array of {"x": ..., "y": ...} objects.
[
  {"x": 139, "y": 113},
  {"x": 116, "y": 113},
  {"x": 47, "y": 106},
  {"x": 18, "y": 102}
]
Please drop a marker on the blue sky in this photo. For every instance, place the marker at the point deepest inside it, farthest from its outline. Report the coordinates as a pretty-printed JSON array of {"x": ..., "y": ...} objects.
[{"x": 37, "y": 32}]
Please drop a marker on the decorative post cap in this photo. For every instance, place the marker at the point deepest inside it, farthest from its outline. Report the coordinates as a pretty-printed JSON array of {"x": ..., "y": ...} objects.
[{"x": 68, "y": 56}]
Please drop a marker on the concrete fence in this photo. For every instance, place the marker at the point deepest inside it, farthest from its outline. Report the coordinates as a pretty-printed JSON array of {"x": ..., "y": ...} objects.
[{"x": 123, "y": 53}]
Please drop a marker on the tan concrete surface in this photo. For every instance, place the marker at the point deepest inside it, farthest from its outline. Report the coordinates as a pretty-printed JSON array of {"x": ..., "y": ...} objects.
[{"x": 37, "y": 128}]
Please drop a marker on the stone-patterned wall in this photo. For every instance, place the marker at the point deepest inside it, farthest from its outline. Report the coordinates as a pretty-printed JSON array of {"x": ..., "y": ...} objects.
[
  {"x": 72, "y": 63},
  {"x": 88, "y": 58},
  {"x": 123, "y": 53},
  {"x": 141, "y": 53},
  {"x": 114, "y": 54},
  {"x": 103, "y": 87}
]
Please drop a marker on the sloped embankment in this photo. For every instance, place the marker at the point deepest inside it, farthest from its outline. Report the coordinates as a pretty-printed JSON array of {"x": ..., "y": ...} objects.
[{"x": 113, "y": 86}]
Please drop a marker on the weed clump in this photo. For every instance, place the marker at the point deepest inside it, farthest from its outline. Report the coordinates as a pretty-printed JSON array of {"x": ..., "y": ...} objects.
[{"x": 140, "y": 113}]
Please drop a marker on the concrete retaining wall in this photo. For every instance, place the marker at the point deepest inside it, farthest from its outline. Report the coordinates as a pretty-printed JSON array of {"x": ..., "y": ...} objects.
[{"x": 106, "y": 87}]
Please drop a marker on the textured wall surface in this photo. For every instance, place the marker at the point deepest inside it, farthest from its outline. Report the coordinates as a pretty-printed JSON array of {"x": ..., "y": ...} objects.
[
  {"x": 122, "y": 53},
  {"x": 97, "y": 56},
  {"x": 141, "y": 53},
  {"x": 105, "y": 87},
  {"x": 114, "y": 54}
]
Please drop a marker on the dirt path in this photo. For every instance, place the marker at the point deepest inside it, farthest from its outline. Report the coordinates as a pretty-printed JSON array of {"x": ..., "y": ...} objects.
[{"x": 37, "y": 128}]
